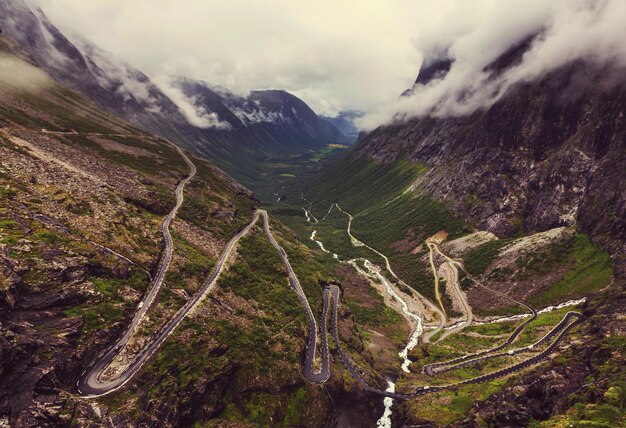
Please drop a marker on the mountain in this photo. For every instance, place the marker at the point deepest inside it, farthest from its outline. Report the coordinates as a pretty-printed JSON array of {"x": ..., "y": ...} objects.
[
  {"x": 434, "y": 69},
  {"x": 344, "y": 122},
  {"x": 85, "y": 198},
  {"x": 469, "y": 267},
  {"x": 218, "y": 124},
  {"x": 274, "y": 119},
  {"x": 549, "y": 157},
  {"x": 114, "y": 86},
  {"x": 552, "y": 147}
]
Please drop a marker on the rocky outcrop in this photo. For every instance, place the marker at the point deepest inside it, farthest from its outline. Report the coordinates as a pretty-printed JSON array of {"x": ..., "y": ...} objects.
[{"x": 39, "y": 353}]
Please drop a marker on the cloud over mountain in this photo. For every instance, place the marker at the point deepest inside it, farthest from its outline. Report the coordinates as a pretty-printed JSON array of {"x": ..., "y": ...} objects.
[
  {"x": 558, "y": 32},
  {"x": 350, "y": 54}
]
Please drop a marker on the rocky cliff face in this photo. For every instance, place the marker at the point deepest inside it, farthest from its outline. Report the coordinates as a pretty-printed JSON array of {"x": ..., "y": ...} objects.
[
  {"x": 552, "y": 152},
  {"x": 115, "y": 86},
  {"x": 75, "y": 209},
  {"x": 579, "y": 384},
  {"x": 83, "y": 195}
]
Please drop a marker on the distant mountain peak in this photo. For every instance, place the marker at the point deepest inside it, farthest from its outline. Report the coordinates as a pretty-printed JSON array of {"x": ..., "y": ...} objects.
[
  {"x": 431, "y": 70},
  {"x": 344, "y": 121}
]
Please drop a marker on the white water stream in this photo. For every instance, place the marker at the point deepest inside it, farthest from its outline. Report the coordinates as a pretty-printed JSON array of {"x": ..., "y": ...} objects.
[
  {"x": 385, "y": 419},
  {"x": 321, "y": 245},
  {"x": 372, "y": 271},
  {"x": 541, "y": 311}
]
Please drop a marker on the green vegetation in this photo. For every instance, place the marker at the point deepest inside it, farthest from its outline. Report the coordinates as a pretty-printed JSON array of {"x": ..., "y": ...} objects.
[
  {"x": 317, "y": 155},
  {"x": 443, "y": 408},
  {"x": 257, "y": 338},
  {"x": 591, "y": 270},
  {"x": 66, "y": 109},
  {"x": 157, "y": 153},
  {"x": 69, "y": 110},
  {"x": 495, "y": 329},
  {"x": 50, "y": 237},
  {"x": 584, "y": 268},
  {"x": 196, "y": 265},
  {"x": 379, "y": 315},
  {"x": 21, "y": 118},
  {"x": 410, "y": 216},
  {"x": 268, "y": 171},
  {"x": 262, "y": 278},
  {"x": 112, "y": 305},
  {"x": 207, "y": 194},
  {"x": 7, "y": 224},
  {"x": 587, "y": 415},
  {"x": 601, "y": 400},
  {"x": 10, "y": 231},
  {"x": 449, "y": 406},
  {"x": 96, "y": 316},
  {"x": 377, "y": 183},
  {"x": 383, "y": 214},
  {"x": 410, "y": 268},
  {"x": 478, "y": 260}
]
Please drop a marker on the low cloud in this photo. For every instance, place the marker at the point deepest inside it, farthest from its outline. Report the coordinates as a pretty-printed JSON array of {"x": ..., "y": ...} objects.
[
  {"x": 565, "y": 30},
  {"x": 16, "y": 75},
  {"x": 118, "y": 76},
  {"x": 348, "y": 54},
  {"x": 195, "y": 114},
  {"x": 336, "y": 55}
]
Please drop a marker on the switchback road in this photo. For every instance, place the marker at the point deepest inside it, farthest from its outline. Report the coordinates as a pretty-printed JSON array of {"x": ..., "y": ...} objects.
[{"x": 90, "y": 384}]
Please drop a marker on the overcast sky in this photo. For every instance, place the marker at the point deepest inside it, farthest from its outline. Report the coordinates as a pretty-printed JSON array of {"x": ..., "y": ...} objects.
[
  {"x": 340, "y": 54},
  {"x": 335, "y": 54}
]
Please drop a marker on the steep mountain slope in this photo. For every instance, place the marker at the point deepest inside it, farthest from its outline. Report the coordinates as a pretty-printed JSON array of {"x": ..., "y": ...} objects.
[
  {"x": 550, "y": 155},
  {"x": 431, "y": 70},
  {"x": 274, "y": 120},
  {"x": 236, "y": 132},
  {"x": 83, "y": 195},
  {"x": 116, "y": 87}
]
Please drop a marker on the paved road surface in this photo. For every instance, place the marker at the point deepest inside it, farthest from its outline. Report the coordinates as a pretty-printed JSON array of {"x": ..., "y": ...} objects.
[
  {"x": 312, "y": 375},
  {"x": 570, "y": 320},
  {"x": 455, "y": 363},
  {"x": 91, "y": 385}
]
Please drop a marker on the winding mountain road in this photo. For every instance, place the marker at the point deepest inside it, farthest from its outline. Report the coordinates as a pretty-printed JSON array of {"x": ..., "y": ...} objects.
[
  {"x": 570, "y": 320},
  {"x": 459, "y": 362},
  {"x": 309, "y": 365},
  {"x": 455, "y": 284},
  {"x": 331, "y": 297},
  {"x": 424, "y": 301},
  {"x": 91, "y": 384}
]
